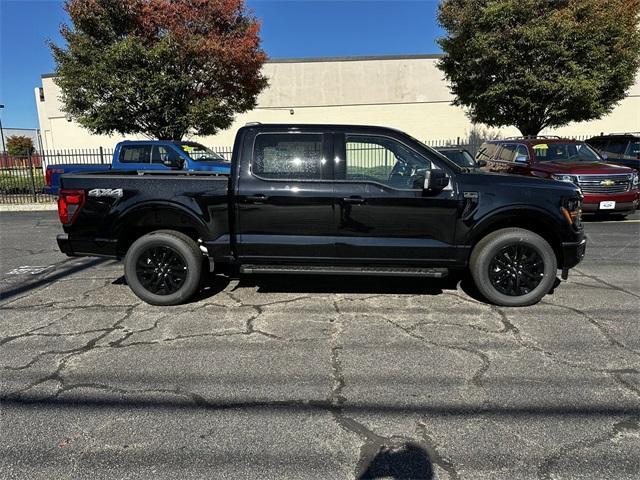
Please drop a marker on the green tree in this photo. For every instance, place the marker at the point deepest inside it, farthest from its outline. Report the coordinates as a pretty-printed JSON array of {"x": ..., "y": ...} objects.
[
  {"x": 539, "y": 63},
  {"x": 19, "y": 145},
  {"x": 163, "y": 68}
]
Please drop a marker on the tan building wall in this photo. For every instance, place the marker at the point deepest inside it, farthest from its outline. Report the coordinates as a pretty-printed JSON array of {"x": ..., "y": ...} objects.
[{"x": 408, "y": 93}]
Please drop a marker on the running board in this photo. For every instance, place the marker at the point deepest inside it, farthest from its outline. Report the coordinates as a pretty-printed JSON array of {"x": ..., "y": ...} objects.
[{"x": 346, "y": 270}]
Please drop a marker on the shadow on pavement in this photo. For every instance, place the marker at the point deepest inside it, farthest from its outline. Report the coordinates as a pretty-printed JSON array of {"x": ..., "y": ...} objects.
[
  {"x": 58, "y": 273},
  {"x": 405, "y": 462},
  {"x": 347, "y": 284},
  {"x": 609, "y": 217},
  {"x": 122, "y": 399}
]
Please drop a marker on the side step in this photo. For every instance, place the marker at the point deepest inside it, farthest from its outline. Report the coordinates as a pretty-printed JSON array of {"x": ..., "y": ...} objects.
[{"x": 346, "y": 270}]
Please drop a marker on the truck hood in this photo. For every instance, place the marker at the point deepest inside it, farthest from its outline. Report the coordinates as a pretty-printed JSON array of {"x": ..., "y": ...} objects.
[{"x": 581, "y": 168}]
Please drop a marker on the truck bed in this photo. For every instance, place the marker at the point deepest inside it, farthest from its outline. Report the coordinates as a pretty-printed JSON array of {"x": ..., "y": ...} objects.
[{"x": 119, "y": 202}]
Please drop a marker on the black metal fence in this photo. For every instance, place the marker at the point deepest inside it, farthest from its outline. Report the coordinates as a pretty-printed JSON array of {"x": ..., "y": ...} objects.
[{"x": 23, "y": 180}]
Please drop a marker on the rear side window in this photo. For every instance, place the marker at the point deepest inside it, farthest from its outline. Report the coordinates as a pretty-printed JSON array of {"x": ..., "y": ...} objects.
[
  {"x": 288, "y": 156},
  {"x": 135, "y": 154},
  {"x": 487, "y": 151}
]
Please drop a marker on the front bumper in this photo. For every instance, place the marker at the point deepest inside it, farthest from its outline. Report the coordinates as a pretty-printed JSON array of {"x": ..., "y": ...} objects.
[
  {"x": 625, "y": 202},
  {"x": 573, "y": 253}
]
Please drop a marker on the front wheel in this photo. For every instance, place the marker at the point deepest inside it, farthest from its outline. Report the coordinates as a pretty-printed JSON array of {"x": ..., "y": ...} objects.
[
  {"x": 513, "y": 267},
  {"x": 163, "y": 267}
]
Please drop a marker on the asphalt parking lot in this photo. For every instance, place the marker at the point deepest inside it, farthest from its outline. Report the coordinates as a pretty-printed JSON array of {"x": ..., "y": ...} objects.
[{"x": 315, "y": 377}]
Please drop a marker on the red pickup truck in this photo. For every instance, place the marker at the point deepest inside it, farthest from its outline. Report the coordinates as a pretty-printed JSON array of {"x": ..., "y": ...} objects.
[{"x": 606, "y": 188}]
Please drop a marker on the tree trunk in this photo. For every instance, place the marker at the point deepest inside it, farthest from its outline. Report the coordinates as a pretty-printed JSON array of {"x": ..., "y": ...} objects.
[{"x": 530, "y": 128}]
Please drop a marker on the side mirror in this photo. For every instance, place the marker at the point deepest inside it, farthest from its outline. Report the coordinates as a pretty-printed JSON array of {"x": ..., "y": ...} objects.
[
  {"x": 175, "y": 163},
  {"x": 604, "y": 156},
  {"x": 521, "y": 159},
  {"x": 435, "y": 181},
  {"x": 481, "y": 163}
]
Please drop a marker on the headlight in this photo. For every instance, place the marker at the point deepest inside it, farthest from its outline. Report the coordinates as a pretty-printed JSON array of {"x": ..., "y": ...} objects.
[
  {"x": 564, "y": 178},
  {"x": 634, "y": 179},
  {"x": 572, "y": 210}
]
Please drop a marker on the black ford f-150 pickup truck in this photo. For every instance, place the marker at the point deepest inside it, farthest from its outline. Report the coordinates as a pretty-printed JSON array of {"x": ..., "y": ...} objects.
[{"x": 326, "y": 199}]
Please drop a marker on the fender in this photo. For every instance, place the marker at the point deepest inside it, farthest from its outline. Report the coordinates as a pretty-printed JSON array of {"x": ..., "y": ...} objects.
[
  {"x": 519, "y": 215},
  {"x": 160, "y": 214}
]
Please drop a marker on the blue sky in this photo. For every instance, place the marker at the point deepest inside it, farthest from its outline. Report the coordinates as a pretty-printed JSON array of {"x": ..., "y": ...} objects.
[{"x": 294, "y": 28}]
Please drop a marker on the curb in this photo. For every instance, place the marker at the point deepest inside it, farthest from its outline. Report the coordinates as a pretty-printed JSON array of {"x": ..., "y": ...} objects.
[{"x": 28, "y": 207}]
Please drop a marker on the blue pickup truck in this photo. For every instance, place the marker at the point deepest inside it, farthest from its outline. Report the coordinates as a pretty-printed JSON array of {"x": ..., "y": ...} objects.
[{"x": 146, "y": 155}]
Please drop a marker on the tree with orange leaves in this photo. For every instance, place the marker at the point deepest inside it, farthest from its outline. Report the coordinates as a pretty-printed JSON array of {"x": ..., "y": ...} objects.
[{"x": 163, "y": 68}]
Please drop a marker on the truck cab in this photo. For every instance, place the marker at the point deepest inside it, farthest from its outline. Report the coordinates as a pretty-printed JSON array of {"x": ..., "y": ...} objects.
[{"x": 167, "y": 155}]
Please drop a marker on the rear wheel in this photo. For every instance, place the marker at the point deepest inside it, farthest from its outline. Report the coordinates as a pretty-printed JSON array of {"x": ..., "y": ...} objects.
[
  {"x": 163, "y": 267},
  {"x": 513, "y": 267}
]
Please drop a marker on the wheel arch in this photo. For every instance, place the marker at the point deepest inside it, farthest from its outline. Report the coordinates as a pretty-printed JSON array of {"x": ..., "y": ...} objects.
[
  {"x": 533, "y": 219},
  {"x": 146, "y": 218}
]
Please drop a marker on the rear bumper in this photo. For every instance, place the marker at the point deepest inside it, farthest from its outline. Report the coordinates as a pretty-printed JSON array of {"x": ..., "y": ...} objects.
[
  {"x": 87, "y": 247},
  {"x": 573, "y": 253}
]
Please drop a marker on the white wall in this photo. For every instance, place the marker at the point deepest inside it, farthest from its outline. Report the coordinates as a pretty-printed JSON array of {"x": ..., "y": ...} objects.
[{"x": 408, "y": 93}]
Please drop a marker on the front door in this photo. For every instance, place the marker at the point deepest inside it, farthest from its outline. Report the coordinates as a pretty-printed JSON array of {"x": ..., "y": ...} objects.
[
  {"x": 285, "y": 204},
  {"x": 384, "y": 215}
]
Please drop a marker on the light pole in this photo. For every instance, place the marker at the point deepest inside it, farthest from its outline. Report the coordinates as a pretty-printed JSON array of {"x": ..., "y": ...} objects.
[{"x": 2, "y": 131}]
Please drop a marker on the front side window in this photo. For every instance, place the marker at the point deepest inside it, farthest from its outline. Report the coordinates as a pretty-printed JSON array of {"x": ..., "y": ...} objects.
[
  {"x": 617, "y": 147},
  {"x": 522, "y": 154},
  {"x": 288, "y": 156},
  {"x": 565, "y": 152},
  {"x": 459, "y": 157},
  {"x": 161, "y": 154},
  {"x": 135, "y": 154},
  {"x": 384, "y": 160},
  {"x": 634, "y": 149},
  {"x": 508, "y": 152},
  {"x": 200, "y": 153}
]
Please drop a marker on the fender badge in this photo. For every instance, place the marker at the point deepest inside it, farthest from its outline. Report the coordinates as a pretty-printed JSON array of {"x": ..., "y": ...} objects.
[{"x": 106, "y": 192}]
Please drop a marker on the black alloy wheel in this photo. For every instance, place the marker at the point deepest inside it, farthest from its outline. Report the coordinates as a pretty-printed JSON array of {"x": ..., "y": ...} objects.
[
  {"x": 516, "y": 270},
  {"x": 513, "y": 267},
  {"x": 164, "y": 267},
  {"x": 161, "y": 270}
]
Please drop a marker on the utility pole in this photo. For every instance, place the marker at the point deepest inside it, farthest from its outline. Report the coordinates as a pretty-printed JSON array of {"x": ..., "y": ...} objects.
[{"x": 2, "y": 131}]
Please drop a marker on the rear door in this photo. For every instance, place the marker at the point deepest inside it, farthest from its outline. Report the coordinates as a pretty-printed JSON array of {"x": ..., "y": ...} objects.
[
  {"x": 384, "y": 216},
  {"x": 285, "y": 205}
]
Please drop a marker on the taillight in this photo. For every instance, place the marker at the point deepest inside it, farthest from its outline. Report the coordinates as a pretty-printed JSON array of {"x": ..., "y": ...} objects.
[
  {"x": 49, "y": 174},
  {"x": 69, "y": 204}
]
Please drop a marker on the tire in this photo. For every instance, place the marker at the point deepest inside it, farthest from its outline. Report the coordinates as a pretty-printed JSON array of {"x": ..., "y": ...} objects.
[
  {"x": 502, "y": 282},
  {"x": 163, "y": 267}
]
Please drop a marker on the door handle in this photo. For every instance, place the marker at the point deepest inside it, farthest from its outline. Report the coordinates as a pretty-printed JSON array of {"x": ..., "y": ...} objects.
[
  {"x": 258, "y": 198},
  {"x": 353, "y": 200}
]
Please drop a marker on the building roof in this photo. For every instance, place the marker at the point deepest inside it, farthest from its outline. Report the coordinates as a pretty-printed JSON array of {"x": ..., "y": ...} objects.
[{"x": 334, "y": 59}]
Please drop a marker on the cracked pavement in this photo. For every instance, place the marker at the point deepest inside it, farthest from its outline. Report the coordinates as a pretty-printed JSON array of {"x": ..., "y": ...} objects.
[{"x": 307, "y": 377}]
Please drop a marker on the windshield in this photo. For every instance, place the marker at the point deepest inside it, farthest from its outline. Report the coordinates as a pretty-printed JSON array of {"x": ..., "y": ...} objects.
[
  {"x": 460, "y": 157},
  {"x": 199, "y": 153},
  {"x": 565, "y": 152}
]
